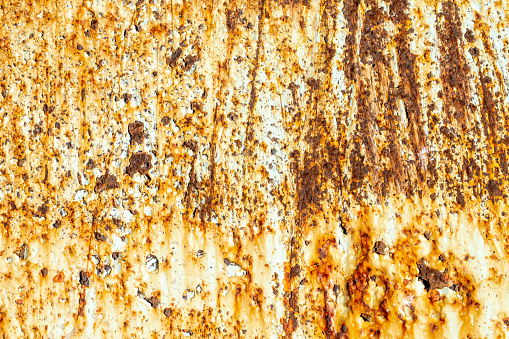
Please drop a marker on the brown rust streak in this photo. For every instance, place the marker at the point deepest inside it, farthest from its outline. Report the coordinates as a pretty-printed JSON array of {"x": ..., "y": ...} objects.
[
  {"x": 253, "y": 95},
  {"x": 408, "y": 89},
  {"x": 454, "y": 75},
  {"x": 454, "y": 69},
  {"x": 211, "y": 200},
  {"x": 493, "y": 113},
  {"x": 316, "y": 167}
]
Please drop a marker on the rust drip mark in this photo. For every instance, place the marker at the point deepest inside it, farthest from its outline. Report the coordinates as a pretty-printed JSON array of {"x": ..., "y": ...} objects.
[
  {"x": 486, "y": 41},
  {"x": 211, "y": 199},
  {"x": 488, "y": 107},
  {"x": 319, "y": 165},
  {"x": 314, "y": 168},
  {"x": 351, "y": 14},
  {"x": 82, "y": 304},
  {"x": 253, "y": 95},
  {"x": 492, "y": 109},
  {"x": 193, "y": 183},
  {"x": 290, "y": 298},
  {"x": 322, "y": 163},
  {"x": 489, "y": 113},
  {"x": 454, "y": 70},
  {"x": 491, "y": 103},
  {"x": 370, "y": 45},
  {"x": 358, "y": 281},
  {"x": 328, "y": 51},
  {"x": 324, "y": 267},
  {"x": 409, "y": 87}
]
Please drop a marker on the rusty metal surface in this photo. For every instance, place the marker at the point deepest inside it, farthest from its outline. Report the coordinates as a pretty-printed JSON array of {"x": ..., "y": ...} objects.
[{"x": 270, "y": 169}]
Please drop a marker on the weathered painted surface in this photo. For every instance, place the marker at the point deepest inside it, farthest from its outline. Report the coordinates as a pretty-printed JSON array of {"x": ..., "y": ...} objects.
[{"x": 267, "y": 169}]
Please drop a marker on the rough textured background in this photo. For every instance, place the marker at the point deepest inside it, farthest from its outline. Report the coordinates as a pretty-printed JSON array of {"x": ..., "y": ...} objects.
[{"x": 268, "y": 169}]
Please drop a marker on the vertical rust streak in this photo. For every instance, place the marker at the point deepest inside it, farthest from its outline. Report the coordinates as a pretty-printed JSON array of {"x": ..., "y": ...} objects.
[
  {"x": 409, "y": 87},
  {"x": 454, "y": 69},
  {"x": 454, "y": 74},
  {"x": 253, "y": 94},
  {"x": 211, "y": 199}
]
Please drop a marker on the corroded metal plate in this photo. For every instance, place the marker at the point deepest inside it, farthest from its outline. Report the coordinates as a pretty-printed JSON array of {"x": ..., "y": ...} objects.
[{"x": 269, "y": 169}]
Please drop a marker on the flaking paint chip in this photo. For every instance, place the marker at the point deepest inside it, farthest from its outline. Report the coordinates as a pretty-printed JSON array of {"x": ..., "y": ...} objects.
[{"x": 59, "y": 277}]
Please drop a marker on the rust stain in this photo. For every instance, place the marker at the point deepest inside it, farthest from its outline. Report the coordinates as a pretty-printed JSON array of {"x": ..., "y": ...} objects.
[{"x": 269, "y": 169}]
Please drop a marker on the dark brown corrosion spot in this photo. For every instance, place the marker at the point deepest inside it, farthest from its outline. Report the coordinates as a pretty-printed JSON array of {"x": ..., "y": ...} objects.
[
  {"x": 469, "y": 36},
  {"x": 84, "y": 280},
  {"x": 428, "y": 235},
  {"x": 115, "y": 255},
  {"x": 380, "y": 248},
  {"x": 42, "y": 210},
  {"x": 172, "y": 60},
  {"x": 44, "y": 272},
  {"x": 493, "y": 188},
  {"x": 137, "y": 132},
  {"x": 295, "y": 271},
  {"x": 232, "y": 18},
  {"x": 430, "y": 277},
  {"x": 153, "y": 301},
  {"x": 90, "y": 165},
  {"x": 106, "y": 182},
  {"x": 167, "y": 312},
  {"x": 366, "y": 316},
  {"x": 190, "y": 144},
  {"x": 126, "y": 97},
  {"x": 189, "y": 61},
  {"x": 455, "y": 287},
  {"x": 107, "y": 269},
  {"x": 99, "y": 237},
  {"x": 57, "y": 224},
  {"x": 139, "y": 163},
  {"x": 22, "y": 252},
  {"x": 165, "y": 120}
]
